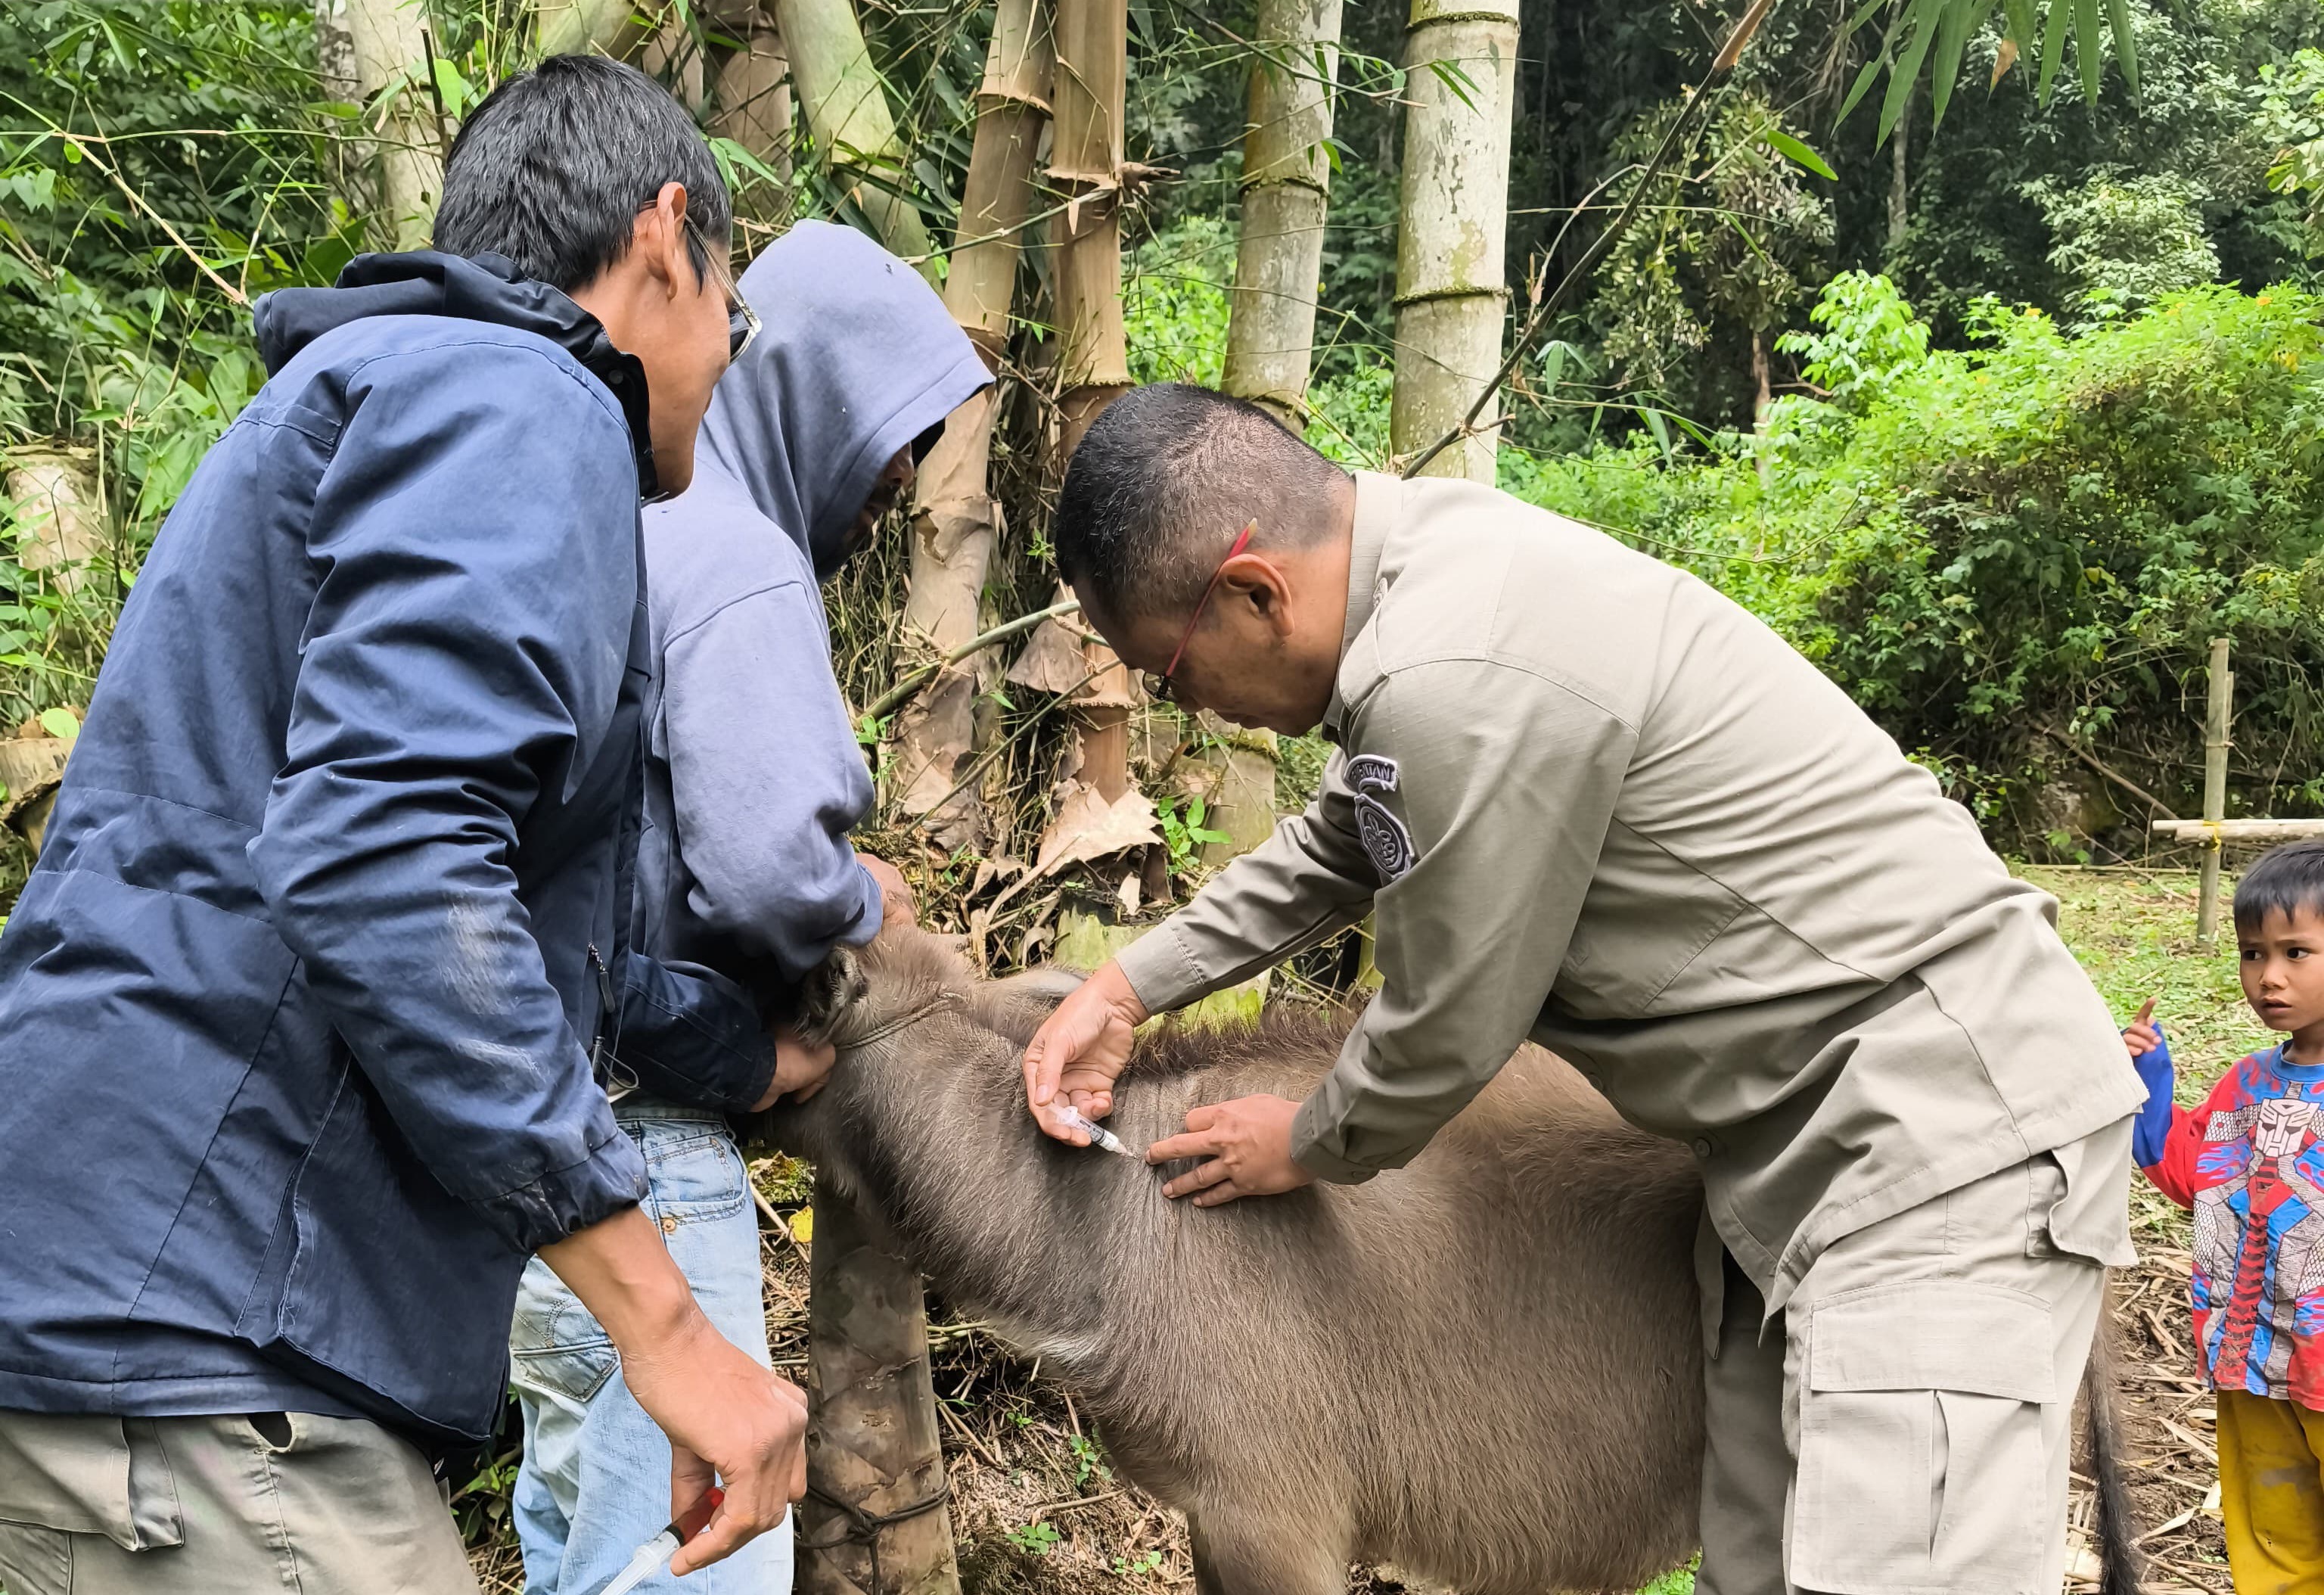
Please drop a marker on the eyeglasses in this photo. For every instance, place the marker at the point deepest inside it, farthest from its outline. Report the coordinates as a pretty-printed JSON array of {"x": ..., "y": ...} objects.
[
  {"x": 1162, "y": 687},
  {"x": 741, "y": 321}
]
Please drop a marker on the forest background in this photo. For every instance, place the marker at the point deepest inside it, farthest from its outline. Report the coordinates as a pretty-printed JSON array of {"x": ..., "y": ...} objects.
[{"x": 1999, "y": 419}]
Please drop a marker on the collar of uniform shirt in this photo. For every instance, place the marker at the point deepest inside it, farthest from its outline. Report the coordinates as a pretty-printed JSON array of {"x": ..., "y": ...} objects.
[{"x": 1379, "y": 499}]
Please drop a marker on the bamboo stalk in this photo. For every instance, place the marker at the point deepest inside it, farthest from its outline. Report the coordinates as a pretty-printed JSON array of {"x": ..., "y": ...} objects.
[
  {"x": 2221, "y": 712},
  {"x": 957, "y": 521},
  {"x": 873, "y": 1441},
  {"x": 845, "y": 105},
  {"x": 754, "y": 90},
  {"x": 387, "y": 41},
  {"x": 1286, "y": 191},
  {"x": 2257, "y": 832},
  {"x": 1085, "y": 163},
  {"x": 1461, "y": 59},
  {"x": 608, "y": 27}
]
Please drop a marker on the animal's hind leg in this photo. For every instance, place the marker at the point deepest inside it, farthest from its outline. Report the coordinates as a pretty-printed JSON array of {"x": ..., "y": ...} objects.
[{"x": 1247, "y": 1556}]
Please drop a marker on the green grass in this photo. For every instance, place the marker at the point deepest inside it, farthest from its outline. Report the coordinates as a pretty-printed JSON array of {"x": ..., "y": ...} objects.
[{"x": 2135, "y": 936}]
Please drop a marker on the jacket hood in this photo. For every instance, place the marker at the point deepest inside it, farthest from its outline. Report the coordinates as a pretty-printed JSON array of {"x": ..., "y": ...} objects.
[
  {"x": 484, "y": 288},
  {"x": 857, "y": 357}
]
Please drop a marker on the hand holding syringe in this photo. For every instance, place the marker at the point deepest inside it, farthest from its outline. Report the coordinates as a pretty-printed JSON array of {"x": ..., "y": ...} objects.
[{"x": 654, "y": 1555}]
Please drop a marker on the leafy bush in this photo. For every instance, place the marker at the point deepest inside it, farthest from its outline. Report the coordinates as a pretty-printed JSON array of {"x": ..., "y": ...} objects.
[{"x": 2007, "y": 551}]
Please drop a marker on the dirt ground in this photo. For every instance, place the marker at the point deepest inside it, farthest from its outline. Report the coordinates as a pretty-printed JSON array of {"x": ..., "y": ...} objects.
[{"x": 1036, "y": 1511}]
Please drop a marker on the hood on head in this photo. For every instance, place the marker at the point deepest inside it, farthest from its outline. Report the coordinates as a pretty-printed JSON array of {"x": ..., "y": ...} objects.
[
  {"x": 485, "y": 287},
  {"x": 856, "y": 358}
]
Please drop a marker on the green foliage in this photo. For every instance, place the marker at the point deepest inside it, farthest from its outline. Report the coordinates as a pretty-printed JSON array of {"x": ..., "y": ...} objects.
[
  {"x": 2000, "y": 550},
  {"x": 1182, "y": 831},
  {"x": 1038, "y": 1538},
  {"x": 1733, "y": 244},
  {"x": 2123, "y": 243},
  {"x": 1173, "y": 303}
]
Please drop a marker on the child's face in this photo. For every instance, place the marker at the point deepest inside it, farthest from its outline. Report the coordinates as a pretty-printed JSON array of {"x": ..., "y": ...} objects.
[{"x": 2283, "y": 969}]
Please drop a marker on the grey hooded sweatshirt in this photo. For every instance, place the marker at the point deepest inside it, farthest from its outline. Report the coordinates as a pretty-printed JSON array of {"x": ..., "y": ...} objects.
[{"x": 754, "y": 776}]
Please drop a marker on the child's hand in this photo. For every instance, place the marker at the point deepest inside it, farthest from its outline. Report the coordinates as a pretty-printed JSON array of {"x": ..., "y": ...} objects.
[{"x": 2143, "y": 1035}]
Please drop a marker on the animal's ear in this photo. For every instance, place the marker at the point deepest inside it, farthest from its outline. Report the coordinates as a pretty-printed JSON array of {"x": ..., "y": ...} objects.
[
  {"x": 832, "y": 987},
  {"x": 1016, "y": 1006}
]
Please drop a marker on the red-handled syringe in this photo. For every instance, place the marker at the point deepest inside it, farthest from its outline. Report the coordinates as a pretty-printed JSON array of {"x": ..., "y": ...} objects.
[{"x": 654, "y": 1555}]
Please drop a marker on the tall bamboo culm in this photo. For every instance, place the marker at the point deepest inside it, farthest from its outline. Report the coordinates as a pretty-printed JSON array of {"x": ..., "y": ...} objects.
[
  {"x": 364, "y": 45},
  {"x": 1450, "y": 293},
  {"x": 955, "y": 522},
  {"x": 845, "y": 106},
  {"x": 754, "y": 86},
  {"x": 1085, "y": 167},
  {"x": 1271, "y": 316},
  {"x": 1286, "y": 191}
]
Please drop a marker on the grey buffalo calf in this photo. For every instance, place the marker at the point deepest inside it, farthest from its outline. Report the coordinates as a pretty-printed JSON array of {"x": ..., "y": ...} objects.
[{"x": 1485, "y": 1369}]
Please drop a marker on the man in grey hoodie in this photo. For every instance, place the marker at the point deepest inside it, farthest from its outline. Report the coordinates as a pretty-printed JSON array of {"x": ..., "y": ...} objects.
[{"x": 753, "y": 779}]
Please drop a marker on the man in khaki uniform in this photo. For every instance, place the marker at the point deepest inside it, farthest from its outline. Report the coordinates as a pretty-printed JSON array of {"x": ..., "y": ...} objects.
[{"x": 1591, "y": 801}]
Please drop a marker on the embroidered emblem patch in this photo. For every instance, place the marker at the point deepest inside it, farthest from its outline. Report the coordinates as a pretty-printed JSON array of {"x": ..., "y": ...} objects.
[{"x": 1384, "y": 839}]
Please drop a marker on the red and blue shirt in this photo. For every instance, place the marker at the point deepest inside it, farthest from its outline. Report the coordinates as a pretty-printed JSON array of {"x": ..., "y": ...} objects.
[{"x": 2249, "y": 1163}]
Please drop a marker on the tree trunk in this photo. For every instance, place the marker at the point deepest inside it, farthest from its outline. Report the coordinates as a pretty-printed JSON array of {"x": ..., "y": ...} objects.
[
  {"x": 58, "y": 526},
  {"x": 1241, "y": 803},
  {"x": 1285, "y": 187},
  {"x": 385, "y": 40},
  {"x": 754, "y": 90},
  {"x": 956, "y": 522},
  {"x": 1461, "y": 59},
  {"x": 1900, "y": 139},
  {"x": 845, "y": 105},
  {"x": 1086, "y": 166},
  {"x": 872, "y": 1441}
]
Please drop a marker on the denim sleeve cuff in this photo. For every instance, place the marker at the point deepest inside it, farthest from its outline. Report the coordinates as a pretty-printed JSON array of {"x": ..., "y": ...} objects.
[{"x": 564, "y": 1201}]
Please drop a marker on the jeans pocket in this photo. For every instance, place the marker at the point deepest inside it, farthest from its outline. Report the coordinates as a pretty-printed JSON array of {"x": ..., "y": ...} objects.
[
  {"x": 693, "y": 1173},
  {"x": 557, "y": 1347},
  {"x": 1922, "y": 1463}
]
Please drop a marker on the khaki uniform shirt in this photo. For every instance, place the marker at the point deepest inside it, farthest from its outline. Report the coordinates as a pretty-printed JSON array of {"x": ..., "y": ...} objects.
[{"x": 1591, "y": 801}]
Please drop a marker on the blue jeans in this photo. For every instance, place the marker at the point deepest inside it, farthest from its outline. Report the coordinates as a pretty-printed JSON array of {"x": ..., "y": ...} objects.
[{"x": 595, "y": 1482}]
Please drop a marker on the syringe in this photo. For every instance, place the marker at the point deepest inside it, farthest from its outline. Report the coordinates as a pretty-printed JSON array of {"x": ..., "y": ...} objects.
[
  {"x": 1099, "y": 1135},
  {"x": 654, "y": 1555}
]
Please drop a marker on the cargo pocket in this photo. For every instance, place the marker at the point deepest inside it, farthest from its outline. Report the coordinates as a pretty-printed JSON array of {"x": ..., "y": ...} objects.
[{"x": 1920, "y": 1460}]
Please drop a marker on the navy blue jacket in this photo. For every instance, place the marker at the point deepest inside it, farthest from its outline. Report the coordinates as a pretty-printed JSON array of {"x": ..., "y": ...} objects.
[{"x": 296, "y": 1011}]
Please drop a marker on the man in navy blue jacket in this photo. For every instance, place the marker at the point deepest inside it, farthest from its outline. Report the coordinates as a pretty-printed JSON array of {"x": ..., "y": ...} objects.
[{"x": 297, "y": 1011}]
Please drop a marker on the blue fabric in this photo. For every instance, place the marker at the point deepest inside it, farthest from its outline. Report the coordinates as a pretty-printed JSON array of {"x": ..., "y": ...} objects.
[
  {"x": 293, "y": 1010},
  {"x": 2152, "y": 1127},
  {"x": 753, "y": 775},
  {"x": 595, "y": 1481}
]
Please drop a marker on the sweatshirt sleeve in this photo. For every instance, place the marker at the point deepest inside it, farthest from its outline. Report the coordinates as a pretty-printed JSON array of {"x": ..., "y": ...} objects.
[
  {"x": 2168, "y": 1144},
  {"x": 473, "y": 550},
  {"x": 767, "y": 781},
  {"x": 1490, "y": 827},
  {"x": 1307, "y": 881}
]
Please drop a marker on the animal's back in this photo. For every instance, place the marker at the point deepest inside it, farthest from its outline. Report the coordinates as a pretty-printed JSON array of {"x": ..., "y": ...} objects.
[{"x": 1488, "y": 1364}]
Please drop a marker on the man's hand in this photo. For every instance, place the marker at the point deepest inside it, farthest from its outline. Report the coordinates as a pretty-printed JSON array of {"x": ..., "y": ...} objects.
[
  {"x": 801, "y": 1066},
  {"x": 2142, "y": 1037},
  {"x": 898, "y": 906},
  {"x": 1077, "y": 1055},
  {"x": 1248, "y": 1145},
  {"x": 729, "y": 1420}
]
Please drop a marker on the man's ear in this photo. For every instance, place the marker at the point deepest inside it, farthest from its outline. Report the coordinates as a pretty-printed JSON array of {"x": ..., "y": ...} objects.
[
  {"x": 1256, "y": 579},
  {"x": 659, "y": 235}
]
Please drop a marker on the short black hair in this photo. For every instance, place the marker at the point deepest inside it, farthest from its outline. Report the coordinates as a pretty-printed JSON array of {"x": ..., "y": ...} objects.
[
  {"x": 2282, "y": 881},
  {"x": 1161, "y": 484},
  {"x": 552, "y": 169}
]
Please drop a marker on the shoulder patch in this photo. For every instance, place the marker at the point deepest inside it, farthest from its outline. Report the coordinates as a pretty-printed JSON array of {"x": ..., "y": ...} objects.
[{"x": 1386, "y": 841}]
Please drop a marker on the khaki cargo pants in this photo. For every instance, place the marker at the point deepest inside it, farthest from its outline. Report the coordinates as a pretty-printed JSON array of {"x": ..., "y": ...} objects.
[
  {"x": 230, "y": 1505},
  {"x": 1904, "y": 1428}
]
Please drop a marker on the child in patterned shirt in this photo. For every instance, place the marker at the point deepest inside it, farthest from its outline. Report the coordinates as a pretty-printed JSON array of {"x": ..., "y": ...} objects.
[{"x": 2250, "y": 1165}]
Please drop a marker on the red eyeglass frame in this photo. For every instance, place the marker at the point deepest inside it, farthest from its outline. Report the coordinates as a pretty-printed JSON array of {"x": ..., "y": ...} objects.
[{"x": 1162, "y": 686}]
